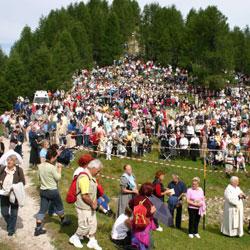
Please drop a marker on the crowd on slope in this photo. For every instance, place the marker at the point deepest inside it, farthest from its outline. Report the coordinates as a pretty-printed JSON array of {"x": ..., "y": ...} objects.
[{"x": 120, "y": 111}]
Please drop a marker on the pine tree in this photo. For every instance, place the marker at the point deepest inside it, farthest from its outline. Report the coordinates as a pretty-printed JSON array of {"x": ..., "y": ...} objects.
[
  {"x": 113, "y": 42},
  {"x": 84, "y": 47},
  {"x": 65, "y": 59}
]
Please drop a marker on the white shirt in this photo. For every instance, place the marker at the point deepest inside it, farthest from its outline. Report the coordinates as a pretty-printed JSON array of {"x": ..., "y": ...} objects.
[
  {"x": 183, "y": 143},
  {"x": 119, "y": 230}
]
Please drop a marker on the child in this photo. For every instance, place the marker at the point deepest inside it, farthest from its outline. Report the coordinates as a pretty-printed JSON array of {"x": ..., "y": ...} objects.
[
  {"x": 240, "y": 162},
  {"x": 109, "y": 147}
]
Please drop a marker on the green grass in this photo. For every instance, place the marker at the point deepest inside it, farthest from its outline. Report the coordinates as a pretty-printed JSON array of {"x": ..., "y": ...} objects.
[
  {"x": 170, "y": 238},
  {"x": 9, "y": 246},
  {"x": 1, "y": 129}
]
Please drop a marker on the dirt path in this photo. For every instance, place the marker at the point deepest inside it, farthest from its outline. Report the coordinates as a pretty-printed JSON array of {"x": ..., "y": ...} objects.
[{"x": 24, "y": 237}]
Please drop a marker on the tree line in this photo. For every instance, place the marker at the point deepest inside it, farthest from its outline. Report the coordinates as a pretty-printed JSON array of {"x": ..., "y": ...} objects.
[{"x": 84, "y": 35}]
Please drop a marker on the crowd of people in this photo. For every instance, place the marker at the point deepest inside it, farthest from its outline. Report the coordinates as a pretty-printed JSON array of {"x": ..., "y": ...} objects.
[{"x": 127, "y": 109}]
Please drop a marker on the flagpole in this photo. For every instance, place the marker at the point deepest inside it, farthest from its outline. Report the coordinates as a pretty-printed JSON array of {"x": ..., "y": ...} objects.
[{"x": 204, "y": 184}]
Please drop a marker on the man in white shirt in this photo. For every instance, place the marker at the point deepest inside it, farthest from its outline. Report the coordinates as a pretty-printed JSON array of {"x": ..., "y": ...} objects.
[{"x": 183, "y": 145}]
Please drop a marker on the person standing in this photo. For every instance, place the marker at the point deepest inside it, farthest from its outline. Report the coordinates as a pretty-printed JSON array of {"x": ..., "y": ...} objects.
[
  {"x": 175, "y": 200},
  {"x": 9, "y": 175},
  {"x": 34, "y": 152},
  {"x": 232, "y": 224},
  {"x": 196, "y": 207},
  {"x": 2, "y": 147},
  {"x": 159, "y": 191},
  {"x": 86, "y": 205},
  {"x": 128, "y": 189},
  {"x": 49, "y": 175},
  {"x": 140, "y": 142}
]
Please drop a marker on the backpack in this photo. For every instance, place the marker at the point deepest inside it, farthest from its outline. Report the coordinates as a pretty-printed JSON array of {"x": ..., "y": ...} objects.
[
  {"x": 71, "y": 196},
  {"x": 65, "y": 157},
  {"x": 140, "y": 221}
]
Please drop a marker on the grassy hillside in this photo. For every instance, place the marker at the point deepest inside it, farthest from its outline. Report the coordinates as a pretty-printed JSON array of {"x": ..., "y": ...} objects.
[{"x": 170, "y": 238}]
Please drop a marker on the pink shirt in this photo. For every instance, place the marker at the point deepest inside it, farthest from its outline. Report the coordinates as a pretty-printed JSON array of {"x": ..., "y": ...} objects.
[{"x": 195, "y": 195}]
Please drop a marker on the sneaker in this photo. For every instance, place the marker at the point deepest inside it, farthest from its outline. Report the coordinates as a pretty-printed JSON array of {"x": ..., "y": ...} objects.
[
  {"x": 39, "y": 231},
  {"x": 74, "y": 240},
  {"x": 11, "y": 234},
  {"x": 92, "y": 244},
  {"x": 110, "y": 213},
  {"x": 65, "y": 222},
  {"x": 191, "y": 236},
  {"x": 197, "y": 236},
  {"x": 159, "y": 229}
]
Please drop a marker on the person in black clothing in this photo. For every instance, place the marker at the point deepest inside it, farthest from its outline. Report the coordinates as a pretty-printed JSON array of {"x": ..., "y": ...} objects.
[
  {"x": 2, "y": 147},
  {"x": 35, "y": 148},
  {"x": 174, "y": 201},
  {"x": 159, "y": 191}
]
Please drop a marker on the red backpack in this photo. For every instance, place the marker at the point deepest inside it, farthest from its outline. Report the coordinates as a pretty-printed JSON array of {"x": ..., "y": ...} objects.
[
  {"x": 72, "y": 195},
  {"x": 140, "y": 221}
]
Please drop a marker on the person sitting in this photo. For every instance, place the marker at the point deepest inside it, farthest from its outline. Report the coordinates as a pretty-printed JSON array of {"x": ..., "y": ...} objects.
[
  {"x": 240, "y": 162},
  {"x": 121, "y": 230},
  {"x": 141, "y": 236},
  {"x": 219, "y": 159},
  {"x": 103, "y": 201}
]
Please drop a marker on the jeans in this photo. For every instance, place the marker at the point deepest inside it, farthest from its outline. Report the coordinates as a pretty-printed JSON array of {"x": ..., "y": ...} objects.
[
  {"x": 194, "y": 219},
  {"x": 103, "y": 203},
  {"x": 9, "y": 212},
  {"x": 86, "y": 140},
  {"x": 140, "y": 149},
  {"x": 50, "y": 197}
]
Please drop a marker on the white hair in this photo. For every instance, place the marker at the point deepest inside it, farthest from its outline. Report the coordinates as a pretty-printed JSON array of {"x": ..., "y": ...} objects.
[
  {"x": 95, "y": 164},
  {"x": 234, "y": 178}
]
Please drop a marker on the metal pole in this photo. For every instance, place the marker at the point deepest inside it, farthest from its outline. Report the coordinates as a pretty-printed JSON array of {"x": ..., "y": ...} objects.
[{"x": 204, "y": 184}]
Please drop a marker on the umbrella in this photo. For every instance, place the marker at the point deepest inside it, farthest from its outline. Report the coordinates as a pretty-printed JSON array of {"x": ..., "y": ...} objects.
[
  {"x": 3, "y": 159},
  {"x": 162, "y": 212}
]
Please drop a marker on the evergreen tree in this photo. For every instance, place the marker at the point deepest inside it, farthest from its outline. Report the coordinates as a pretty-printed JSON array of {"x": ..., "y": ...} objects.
[
  {"x": 41, "y": 68},
  {"x": 84, "y": 47},
  {"x": 65, "y": 59},
  {"x": 113, "y": 43}
]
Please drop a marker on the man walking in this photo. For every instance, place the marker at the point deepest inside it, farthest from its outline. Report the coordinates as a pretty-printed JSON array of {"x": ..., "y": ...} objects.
[{"x": 86, "y": 205}]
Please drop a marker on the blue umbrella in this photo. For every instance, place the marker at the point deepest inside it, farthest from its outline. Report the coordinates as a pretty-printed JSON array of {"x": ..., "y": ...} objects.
[{"x": 162, "y": 212}]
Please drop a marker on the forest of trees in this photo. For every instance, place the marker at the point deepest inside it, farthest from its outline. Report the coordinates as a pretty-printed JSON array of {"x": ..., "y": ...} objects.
[{"x": 83, "y": 35}]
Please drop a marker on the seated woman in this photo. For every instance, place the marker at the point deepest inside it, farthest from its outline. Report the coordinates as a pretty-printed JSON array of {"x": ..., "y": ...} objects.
[
  {"x": 141, "y": 236},
  {"x": 103, "y": 201},
  {"x": 121, "y": 231}
]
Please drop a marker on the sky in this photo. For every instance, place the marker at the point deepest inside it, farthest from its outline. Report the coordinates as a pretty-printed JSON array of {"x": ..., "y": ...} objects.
[{"x": 15, "y": 14}]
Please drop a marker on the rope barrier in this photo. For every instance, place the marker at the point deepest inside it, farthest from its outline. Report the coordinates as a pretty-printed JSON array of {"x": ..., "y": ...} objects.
[
  {"x": 152, "y": 162},
  {"x": 175, "y": 148}
]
